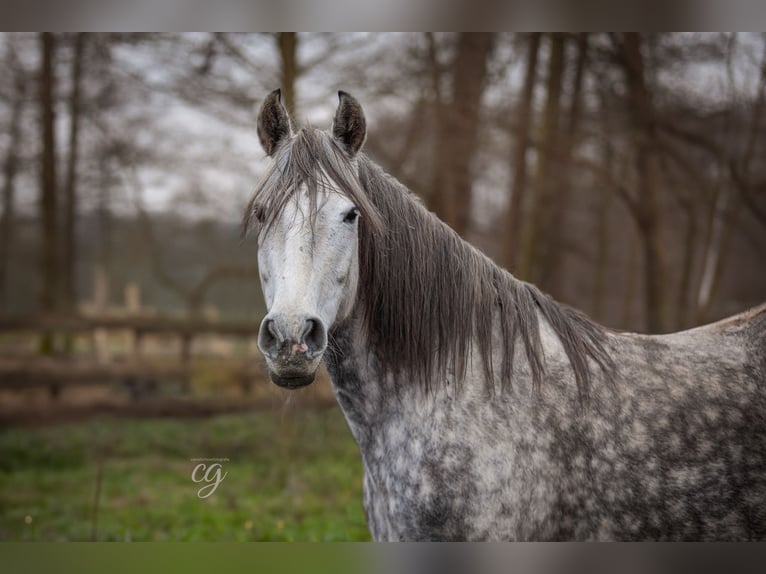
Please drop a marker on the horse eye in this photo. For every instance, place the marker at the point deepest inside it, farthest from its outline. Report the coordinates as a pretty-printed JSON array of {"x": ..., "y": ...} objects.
[{"x": 351, "y": 215}]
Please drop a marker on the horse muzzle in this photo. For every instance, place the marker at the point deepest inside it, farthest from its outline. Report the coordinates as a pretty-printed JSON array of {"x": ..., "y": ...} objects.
[{"x": 293, "y": 348}]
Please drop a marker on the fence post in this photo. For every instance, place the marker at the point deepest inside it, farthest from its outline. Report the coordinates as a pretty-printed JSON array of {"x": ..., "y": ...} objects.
[{"x": 100, "y": 304}]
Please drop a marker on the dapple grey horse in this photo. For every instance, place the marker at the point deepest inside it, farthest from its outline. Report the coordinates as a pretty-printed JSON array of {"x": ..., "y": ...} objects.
[{"x": 483, "y": 409}]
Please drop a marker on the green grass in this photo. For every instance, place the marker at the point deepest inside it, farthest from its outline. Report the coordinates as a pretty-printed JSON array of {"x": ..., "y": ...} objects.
[{"x": 291, "y": 476}]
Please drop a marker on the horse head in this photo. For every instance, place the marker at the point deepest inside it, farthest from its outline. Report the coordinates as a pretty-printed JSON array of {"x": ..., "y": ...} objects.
[{"x": 308, "y": 235}]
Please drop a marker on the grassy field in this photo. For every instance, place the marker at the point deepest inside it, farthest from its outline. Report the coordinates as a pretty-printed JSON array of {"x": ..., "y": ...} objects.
[{"x": 292, "y": 475}]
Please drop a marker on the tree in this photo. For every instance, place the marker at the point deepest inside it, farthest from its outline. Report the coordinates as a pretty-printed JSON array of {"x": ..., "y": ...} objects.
[
  {"x": 287, "y": 43},
  {"x": 460, "y": 128},
  {"x": 602, "y": 211},
  {"x": 70, "y": 188},
  {"x": 727, "y": 206},
  {"x": 468, "y": 79},
  {"x": 552, "y": 276},
  {"x": 519, "y": 167},
  {"x": 49, "y": 261},
  {"x": 548, "y": 152},
  {"x": 641, "y": 113},
  {"x": 11, "y": 165}
]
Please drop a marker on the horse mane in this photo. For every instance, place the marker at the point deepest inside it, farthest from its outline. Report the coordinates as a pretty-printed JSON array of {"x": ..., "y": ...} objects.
[{"x": 425, "y": 296}]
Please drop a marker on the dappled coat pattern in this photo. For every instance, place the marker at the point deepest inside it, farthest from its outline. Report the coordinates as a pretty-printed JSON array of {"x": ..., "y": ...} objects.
[{"x": 484, "y": 410}]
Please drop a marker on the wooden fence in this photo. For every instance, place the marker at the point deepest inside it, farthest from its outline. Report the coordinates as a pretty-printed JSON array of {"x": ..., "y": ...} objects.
[{"x": 135, "y": 370}]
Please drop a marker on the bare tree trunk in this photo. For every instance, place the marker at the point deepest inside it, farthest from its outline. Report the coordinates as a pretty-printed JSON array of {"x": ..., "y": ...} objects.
[
  {"x": 602, "y": 253},
  {"x": 630, "y": 283},
  {"x": 687, "y": 265},
  {"x": 650, "y": 225},
  {"x": 288, "y": 48},
  {"x": 468, "y": 76},
  {"x": 720, "y": 226},
  {"x": 523, "y": 124},
  {"x": 10, "y": 169},
  {"x": 49, "y": 263},
  {"x": 104, "y": 218},
  {"x": 48, "y": 199},
  {"x": 602, "y": 211},
  {"x": 70, "y": 189},
  {"x": 547, "y": 151},
  {"x": 436, "y": 198},
  {"x": 553, "y": 272}
]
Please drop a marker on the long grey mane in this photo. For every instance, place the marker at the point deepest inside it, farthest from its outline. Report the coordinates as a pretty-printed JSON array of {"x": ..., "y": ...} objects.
[{"x": 425, "y": 295}]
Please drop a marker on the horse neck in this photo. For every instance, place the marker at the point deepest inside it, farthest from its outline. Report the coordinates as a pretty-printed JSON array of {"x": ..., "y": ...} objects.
[{"x": 371, "y": 397}]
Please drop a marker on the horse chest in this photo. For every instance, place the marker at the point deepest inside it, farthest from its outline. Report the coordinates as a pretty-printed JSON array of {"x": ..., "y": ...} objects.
[
  {"x": 417, "y": 488},
  {"x": 444, "y": 471},
  {"x": 435, "y": 478}
]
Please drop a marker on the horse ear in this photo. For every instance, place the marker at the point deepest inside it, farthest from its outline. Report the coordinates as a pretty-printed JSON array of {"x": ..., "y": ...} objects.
[
  {"x": 349, "y": 128},
  {"x": 273, "y": 123}
]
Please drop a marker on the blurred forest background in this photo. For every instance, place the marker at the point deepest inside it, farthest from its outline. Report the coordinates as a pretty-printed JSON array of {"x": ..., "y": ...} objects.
[{"x": 624, "y": 174}]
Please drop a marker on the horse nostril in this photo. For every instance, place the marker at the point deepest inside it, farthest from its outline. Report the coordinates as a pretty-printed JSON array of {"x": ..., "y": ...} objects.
[
  {"x": 314, "y": 335},
  {"x": 268, "y": 338},
  {"x": 272, "y": 329}
]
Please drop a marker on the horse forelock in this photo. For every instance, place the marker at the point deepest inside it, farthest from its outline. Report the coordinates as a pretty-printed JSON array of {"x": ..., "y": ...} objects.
[{"x": 312, "y": 162}]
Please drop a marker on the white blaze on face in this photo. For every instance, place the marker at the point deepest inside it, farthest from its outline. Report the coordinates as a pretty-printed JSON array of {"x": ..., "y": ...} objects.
[{"x": 311, "y": 271}]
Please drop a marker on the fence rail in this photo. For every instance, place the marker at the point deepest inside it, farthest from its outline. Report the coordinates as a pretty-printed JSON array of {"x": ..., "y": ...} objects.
[{"x": 149, "y": 325}]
